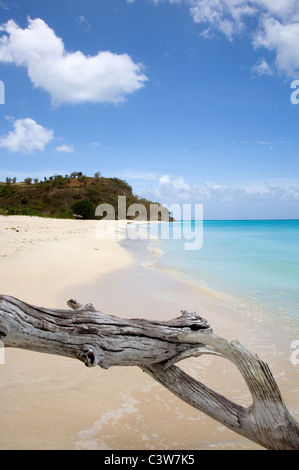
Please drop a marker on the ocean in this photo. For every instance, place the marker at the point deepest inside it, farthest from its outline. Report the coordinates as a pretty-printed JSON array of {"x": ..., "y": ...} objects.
[{"x": 256, "y": 262}]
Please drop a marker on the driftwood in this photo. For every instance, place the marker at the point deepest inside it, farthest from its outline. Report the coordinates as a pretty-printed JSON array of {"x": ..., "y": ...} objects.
[{"x": 103, "y": 340}]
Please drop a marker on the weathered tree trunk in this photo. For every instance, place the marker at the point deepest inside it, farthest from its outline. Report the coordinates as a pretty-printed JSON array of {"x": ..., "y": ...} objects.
[{"x": 155, "y": 346}]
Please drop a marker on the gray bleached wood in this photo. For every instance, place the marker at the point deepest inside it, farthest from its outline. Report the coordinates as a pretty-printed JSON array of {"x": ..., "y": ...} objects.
[
  {"x": 94, "y": 337},
  {"x": 155, "y": 346}
]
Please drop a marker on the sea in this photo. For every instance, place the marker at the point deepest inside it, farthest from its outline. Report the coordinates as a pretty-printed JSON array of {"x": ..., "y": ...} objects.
[{"x": 254, "y": 261}]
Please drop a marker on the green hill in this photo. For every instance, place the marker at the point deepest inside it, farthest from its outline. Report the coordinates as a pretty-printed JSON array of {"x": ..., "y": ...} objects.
[{"x": 66, "y": 196}]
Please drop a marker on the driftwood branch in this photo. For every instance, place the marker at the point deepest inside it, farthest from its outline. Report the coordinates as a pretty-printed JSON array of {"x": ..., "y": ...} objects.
[{"x": 156, "y": 346}]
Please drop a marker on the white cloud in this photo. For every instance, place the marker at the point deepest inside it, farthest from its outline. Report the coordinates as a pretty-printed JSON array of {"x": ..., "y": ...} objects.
[
  {"x": 222, "y": 15},
  {"x": 275, "y": 27},
  {"x": 262, "y": 199},
  {"x": 65, "y": 148},
  {"x": 69, "y": 77},
  {"x": 283, "y": 9},
  {"x": 173, "y": 189},
  {"x": 219, "y": 13},
  {"x": 27, "y": 137},
  {"x": 277, "y": 30},
  {"x": 283, "y": 38},
  {"x": 262, "y": 68}
]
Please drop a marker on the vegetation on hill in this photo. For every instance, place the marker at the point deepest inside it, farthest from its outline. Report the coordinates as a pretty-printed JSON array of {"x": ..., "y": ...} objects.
[{"x": 66, "y": 196}]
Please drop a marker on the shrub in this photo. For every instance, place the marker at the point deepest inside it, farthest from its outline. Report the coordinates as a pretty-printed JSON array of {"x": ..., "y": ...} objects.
[
  {"x": 84, "y": 208},
  {"x": 24, "y": 201},
  {"x": 64, "y": 213}
]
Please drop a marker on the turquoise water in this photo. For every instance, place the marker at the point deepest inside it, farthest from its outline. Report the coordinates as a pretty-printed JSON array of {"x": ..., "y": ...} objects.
[{"x": 256, "y": 261}]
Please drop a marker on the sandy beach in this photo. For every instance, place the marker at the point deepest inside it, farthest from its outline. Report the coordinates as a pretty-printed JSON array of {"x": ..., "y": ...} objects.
[{"x": 51, "y": 402}]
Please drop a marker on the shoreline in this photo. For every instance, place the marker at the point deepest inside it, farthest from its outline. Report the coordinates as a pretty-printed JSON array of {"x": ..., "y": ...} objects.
[{"x": 50, "y": 402}]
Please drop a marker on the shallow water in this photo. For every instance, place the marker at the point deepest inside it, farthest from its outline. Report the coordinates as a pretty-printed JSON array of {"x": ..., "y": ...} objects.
[{"x": 257, "y": 262}]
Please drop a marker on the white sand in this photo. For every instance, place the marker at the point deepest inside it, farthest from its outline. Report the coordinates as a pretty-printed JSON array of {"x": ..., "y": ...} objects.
[
  {"x": 51, "y": 402},
  {"x": 41, "y": 256}
]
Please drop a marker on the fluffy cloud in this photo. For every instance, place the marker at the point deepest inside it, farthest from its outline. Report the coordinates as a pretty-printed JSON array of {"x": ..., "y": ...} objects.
[
  {"x": 69, "y": 77},
  {"x": 276, "y": 26},
  {"x": 174, "y": 188},
  {"x": 27, "y": 137},
  {"x": 283, "y": 39},
  {"x": 229, "y": 16},
  {"x": 262, "y": 68},
  {"x": 178, "y": 189},
  {"x": 259, "y": 200},
  {"x": 223, "y": 15}
]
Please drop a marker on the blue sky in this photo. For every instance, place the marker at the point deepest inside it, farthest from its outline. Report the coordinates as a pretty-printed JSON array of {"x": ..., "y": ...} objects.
[{"x": 187, "y": 100}]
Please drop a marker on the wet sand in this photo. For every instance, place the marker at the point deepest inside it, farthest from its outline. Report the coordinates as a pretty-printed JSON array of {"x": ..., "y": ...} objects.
[{"x": 51, "y": 402}]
